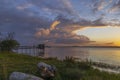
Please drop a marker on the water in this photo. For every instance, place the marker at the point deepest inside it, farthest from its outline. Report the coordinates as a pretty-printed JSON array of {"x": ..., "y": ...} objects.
[{"x": 104, "y": 55}]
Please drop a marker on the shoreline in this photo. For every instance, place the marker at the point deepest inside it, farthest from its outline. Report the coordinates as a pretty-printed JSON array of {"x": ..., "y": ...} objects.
[
  {"x": 106, "y": 69},
  {"x": 96, "y": 65},
  {"x": 102, "y": 66}
]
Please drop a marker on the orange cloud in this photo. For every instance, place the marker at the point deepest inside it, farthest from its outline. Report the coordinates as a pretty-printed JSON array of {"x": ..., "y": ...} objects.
[{"x": 54, "y": 24}]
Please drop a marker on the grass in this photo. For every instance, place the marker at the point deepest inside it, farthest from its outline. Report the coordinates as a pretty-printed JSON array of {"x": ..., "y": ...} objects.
[{"x": 66, "y": 70}]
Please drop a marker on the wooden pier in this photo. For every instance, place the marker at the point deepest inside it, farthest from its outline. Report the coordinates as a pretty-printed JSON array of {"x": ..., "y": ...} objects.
[{"x": 31, "y": 50}]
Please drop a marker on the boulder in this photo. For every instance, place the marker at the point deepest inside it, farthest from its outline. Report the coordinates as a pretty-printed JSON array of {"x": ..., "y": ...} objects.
[
  {"x": 46, "y": 70},
  {"x": 23, "y": 76}
]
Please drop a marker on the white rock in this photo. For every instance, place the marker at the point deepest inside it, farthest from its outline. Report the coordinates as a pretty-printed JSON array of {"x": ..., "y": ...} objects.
[
  {"x": 46, "y": 70},
  {"x": 23, "y": 76}
]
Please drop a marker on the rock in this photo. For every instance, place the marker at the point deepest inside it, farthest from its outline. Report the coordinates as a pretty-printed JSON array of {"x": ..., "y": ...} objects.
[
  {"x": 46, "y": 70},
  {"x": 23, "y": 76}
]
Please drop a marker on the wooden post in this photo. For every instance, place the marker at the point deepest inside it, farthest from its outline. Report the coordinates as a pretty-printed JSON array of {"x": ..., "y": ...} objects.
[{"x": 42, "y": 48}]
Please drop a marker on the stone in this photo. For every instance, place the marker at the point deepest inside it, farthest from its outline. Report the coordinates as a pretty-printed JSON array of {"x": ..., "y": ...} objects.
[
  {"x": 46, "y": 70},
  {"x": 23, "y": 76}
]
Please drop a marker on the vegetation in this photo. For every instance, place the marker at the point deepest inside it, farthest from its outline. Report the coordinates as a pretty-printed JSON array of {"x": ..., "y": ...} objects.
[
  {"x": 66, "y": 70},
  {"x": 8, "y": 43}
]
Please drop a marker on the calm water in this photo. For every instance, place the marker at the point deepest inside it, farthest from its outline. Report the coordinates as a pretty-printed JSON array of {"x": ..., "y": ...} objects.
[{"x": 104, "y": 55}]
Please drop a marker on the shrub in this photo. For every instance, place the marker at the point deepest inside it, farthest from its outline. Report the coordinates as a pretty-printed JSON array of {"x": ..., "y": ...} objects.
[{"x": 8, "y": 45}]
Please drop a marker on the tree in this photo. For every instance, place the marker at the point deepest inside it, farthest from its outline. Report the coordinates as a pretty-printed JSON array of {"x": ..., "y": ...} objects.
[{"x": 8, "y": 43}]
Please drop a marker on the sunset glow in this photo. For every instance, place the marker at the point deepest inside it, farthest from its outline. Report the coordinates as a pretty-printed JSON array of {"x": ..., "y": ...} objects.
[
  {"x": 54, "y": 24},
  {"x": 62, "y": 22},
  {"x": 108, "y": 35}
]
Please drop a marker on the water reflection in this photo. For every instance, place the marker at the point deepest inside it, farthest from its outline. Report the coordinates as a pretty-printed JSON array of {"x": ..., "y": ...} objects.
[
  {"x": 61, "y": 53},
  {"x": 104, "y": 55},
  {"x": 31, "y": 52}
]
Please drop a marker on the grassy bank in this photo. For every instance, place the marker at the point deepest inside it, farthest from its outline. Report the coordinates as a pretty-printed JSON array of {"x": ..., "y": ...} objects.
[{"x": 66, "y": 70}]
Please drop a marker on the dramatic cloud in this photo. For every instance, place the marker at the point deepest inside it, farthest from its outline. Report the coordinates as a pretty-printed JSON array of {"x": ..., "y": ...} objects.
[
  {"x": 57, "y": 36},
  {"x": 33, "y": 20}
]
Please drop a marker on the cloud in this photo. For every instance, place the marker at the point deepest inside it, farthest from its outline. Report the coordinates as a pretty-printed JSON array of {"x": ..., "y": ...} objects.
[
  {"x": 45, "y": 32},
  {"x": 76, "y": 39},
  {"x": 110, "y": 43},
  {"x": 99, "y": 5},
  {"x": 106, "y": 7},
  {"x": 64, "y": 32},
  {"x": 32, "y": 20},
  {"x": 102, "y": 6},
  {"x": 115, "y": 8},
  {"x": 113, "y": 23},
  {"x": 39, "y": 28},
  {"x": 24, "y": 6},
  {"x": 55, "y": 23},
  {"x": 42, "y": 32},
  {"x": 61, "y": 37},
  {"x": 63, "y": 7},
  {"x": 81, "y": 23}
]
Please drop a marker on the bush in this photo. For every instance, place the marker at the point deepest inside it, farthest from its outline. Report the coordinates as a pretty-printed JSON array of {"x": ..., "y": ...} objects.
[{"x": 8, "y": 45}]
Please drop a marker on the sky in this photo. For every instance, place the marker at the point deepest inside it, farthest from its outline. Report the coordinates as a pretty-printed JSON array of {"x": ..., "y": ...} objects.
[{"x": 62, "y": 22}]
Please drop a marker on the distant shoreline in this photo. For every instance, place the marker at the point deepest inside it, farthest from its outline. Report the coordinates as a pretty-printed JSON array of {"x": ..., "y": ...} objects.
[{"x": 84, "y": 46}]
